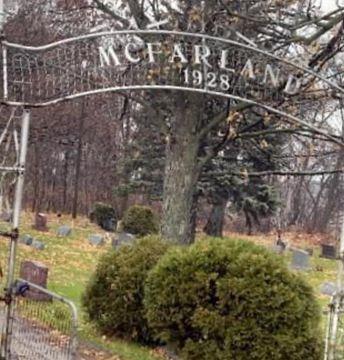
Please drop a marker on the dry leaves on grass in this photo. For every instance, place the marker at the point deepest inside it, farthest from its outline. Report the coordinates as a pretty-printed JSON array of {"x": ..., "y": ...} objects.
[
  {"x": 164, "y": 354},
  {"x": 87, "y": 353},
  {"x": 293, "y": 238}
]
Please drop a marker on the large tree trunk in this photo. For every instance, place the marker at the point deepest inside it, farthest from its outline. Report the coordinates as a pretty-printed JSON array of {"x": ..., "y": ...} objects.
[
  {"x": 216, "y": 220},
  {"x": 181, "y": 175}
]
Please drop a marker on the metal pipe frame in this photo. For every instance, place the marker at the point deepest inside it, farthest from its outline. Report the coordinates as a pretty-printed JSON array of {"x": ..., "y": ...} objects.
[
  {"x": 73, "y": 310},
  {"x": 14, "y": 169},
  {"x": 336, "y": 305},
  {"x": 15, "y": 233}
]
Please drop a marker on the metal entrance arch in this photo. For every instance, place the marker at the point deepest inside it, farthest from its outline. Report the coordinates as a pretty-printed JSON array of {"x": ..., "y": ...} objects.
[
  {"x": 142, "y": 60},
  {"x": 159, "y": 60},
  {"x": 84, "y": 65}
]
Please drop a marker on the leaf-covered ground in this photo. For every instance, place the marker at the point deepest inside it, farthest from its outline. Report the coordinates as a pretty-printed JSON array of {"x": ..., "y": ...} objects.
[{"x": 71, "y": 261}]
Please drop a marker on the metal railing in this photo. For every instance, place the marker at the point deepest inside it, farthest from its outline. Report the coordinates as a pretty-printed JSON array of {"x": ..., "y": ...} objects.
[
  {"x": 334, "y": 341},
  {"x": 43, "y": 325}
]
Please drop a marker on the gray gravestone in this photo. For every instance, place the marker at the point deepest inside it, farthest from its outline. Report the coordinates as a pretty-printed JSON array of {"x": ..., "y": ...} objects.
[
  {"x": 328, "y": 252},
  {"x": 328, "y": 288},
  {"x": 38, "y": 245},
  {"x": 64, "y": 230},
  {"x": 122, "y": 239},
  {"x": 96, "y": 240},
  {"x": 27, "y": 239},
  {"x": 300, "y": 260}
]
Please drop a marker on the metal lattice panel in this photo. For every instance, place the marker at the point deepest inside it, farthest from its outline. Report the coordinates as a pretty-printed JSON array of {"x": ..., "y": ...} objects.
[
  {"x": 150, "y": 59},
  {"x": 43, "y": 327}
]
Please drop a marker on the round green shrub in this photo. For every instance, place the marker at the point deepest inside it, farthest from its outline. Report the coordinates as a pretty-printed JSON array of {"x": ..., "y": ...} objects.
[
  {"x": 104, "y": 215},
  {"x": 232, "y": 300},
  {"x": 114, "y": 295},
  {"x": 140, "y": 220}
]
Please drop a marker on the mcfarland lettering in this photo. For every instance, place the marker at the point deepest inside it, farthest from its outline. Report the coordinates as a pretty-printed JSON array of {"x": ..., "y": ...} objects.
[{"x": 212, "y": 59}]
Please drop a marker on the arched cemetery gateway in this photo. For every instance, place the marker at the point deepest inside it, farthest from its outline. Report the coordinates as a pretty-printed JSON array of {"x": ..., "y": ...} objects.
[{"x": 154, "y": 61}]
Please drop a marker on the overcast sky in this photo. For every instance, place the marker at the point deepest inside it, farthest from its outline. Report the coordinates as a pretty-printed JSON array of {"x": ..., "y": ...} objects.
[{"x": 331, "y": 4}]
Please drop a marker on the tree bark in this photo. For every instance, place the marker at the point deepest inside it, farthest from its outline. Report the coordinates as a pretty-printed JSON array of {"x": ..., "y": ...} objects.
[
  {"x": 181, "y": 174},
  {"x": 36, "y": 178},
  {"x": 216, "y": 220},
  {"x": 331, "y": 199},
  {"x": 78, "y": 164},
  {"x": 65, "y": 181}
]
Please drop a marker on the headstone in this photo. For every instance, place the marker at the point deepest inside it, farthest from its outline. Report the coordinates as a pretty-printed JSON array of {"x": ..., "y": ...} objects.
[
  {"x": 328, "y": 251},
  {"x": 26, "y": 239},
  {"x": 36, "y": 273},
  {"x": 38, "y": 245},
  {"x": 41, "y": 221},
  {"x": 122, "y": 239},
  {"x": 96, "y": 240},
  {"x": 64, "y": 230},
  {"x": 328, "y": 288},
  {"x": 300, "y": 260},
  {"x": 278, "y": 249},
  {"x": 310, "y": 251}
]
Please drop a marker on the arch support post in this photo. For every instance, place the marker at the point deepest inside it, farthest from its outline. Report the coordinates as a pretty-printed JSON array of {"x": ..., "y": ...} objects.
[
  {"x": 336, "y": 307},
  {"x": 14, "y": 235}
]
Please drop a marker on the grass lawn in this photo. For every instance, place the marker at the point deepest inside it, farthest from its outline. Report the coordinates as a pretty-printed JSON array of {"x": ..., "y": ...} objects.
[{"x": 71, "y": 261}]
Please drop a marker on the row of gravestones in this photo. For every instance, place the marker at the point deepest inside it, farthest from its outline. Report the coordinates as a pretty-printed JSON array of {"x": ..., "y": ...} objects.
[
  {"x": 41, "y": 221},
  {"x": 95, "y": 239},
  {"x": 99, "y": 240},
  {"x": 300, "y": 261}
]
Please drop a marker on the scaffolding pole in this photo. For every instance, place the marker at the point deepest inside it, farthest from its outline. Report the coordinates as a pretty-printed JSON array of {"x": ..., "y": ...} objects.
[
  {"x": 336, "y": 306},
  {"x": 14, "y": 235}
]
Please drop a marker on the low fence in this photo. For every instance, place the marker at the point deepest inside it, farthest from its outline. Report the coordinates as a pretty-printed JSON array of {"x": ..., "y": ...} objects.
[{"x": 43, "y": 325}]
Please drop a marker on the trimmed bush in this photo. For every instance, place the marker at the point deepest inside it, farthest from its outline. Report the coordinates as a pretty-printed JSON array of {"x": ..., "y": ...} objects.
[
  {"x": 105, "y": 216},
  {"x": 114, "y": 296},
  {"x": 232, "y": 300},
  {"x": 140, "y": 220}
]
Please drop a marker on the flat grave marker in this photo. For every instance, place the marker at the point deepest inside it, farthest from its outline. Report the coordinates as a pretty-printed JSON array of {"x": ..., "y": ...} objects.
[
  {"x": 300, "y": 260},
  {"x": 64, "y": 231}
]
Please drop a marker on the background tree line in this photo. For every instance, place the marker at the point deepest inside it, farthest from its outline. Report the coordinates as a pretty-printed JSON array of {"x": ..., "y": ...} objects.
[{"x": 189, "y": 154}]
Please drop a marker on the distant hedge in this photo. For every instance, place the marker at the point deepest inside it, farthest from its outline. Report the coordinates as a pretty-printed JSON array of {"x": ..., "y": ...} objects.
[
  {"x": 232, "y": 300},
  {"x": 114, "y": 296},
  {"x": 140, "y": 220}
]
